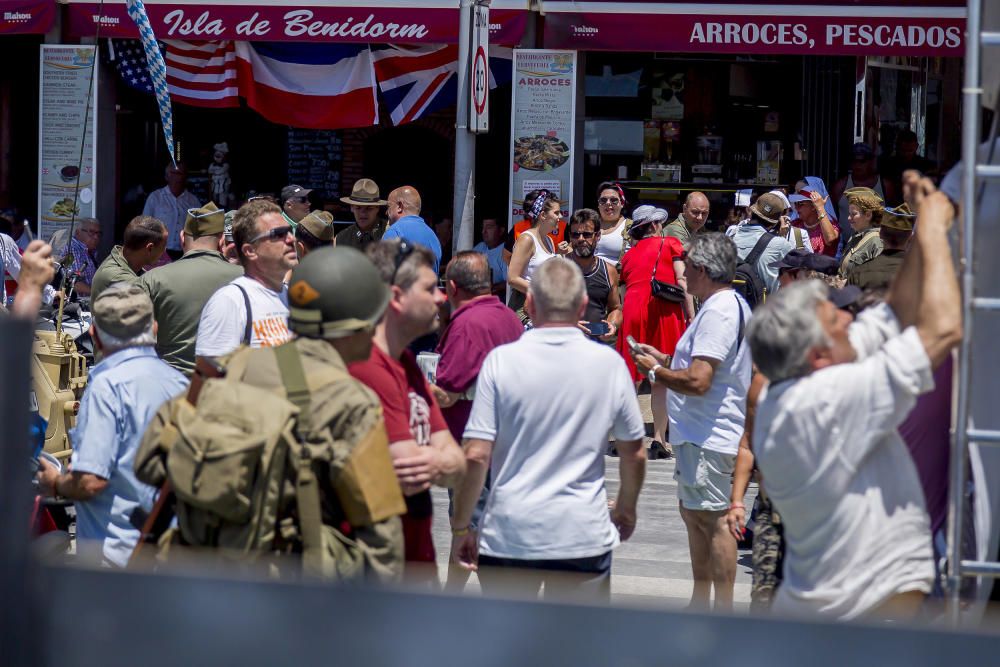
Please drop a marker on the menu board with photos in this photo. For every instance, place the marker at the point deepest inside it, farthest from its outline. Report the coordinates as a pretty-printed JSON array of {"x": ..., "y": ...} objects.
[
  {"x": 66, "y": 186},
  {"x": 315, "y": 158},
  {"x": 543, "y": 127}
]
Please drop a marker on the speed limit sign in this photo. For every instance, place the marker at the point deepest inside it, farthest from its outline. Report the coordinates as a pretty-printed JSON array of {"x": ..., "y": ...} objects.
[{"x": 479, "y": 85}]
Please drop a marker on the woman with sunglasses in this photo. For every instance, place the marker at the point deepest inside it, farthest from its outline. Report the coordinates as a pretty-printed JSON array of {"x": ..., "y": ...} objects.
[
  {"x": 649, "y": 319},
  {"x": 614, "y": 225},
  {"x": 815, "y": 215},
  {"x": 532, "y": 248}
]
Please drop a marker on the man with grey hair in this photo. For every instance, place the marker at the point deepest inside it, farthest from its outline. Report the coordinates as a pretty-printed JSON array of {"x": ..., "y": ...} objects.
[
  {"x": 546, "y": 517},
  {"x": 857, "y": 534},
  {"x": 123, "y": 393},
  {"x": 707, "y": 381}
]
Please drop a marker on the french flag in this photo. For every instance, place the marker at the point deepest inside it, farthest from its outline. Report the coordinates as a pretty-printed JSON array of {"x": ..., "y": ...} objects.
[{"x": 317, "y": 86}]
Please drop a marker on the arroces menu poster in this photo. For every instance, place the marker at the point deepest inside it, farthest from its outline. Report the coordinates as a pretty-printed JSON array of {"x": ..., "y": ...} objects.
[
  {"x": 66, "y": 75},
  {"x": 544, "y": 104}
]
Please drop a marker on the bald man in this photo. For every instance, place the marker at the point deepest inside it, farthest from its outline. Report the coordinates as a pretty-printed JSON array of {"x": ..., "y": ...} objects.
[
  {"x": 405, "y": 222},
  {"x": 692, "y": 219}
]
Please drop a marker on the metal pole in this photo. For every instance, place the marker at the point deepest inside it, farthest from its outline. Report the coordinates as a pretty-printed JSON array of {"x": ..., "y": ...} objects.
[
  {"x": 463, "y": 205},
  {"x": 18, "y": 618},
  {"x": 971, "y": 100}
]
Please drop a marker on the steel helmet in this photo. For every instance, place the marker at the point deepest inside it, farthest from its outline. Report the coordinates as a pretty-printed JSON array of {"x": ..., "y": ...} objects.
[{"x": 334, "y": 292}]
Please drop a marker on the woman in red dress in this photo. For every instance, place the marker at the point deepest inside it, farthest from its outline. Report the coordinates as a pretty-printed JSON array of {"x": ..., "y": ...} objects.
[{"x": 646, "y": 318}]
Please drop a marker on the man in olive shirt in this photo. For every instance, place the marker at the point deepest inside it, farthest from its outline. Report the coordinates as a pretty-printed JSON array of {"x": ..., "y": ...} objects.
[
  {"x": 145, "y": 241},
  {"x": 895, "y": 231},
  {"x": 369, "y": 225},
  {"x": 180, "y": 290},
  {"x": 693, "y": 217}
]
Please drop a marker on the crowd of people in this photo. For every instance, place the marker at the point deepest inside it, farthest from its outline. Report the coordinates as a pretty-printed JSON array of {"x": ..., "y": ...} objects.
[{"x": 280, "y": 388}]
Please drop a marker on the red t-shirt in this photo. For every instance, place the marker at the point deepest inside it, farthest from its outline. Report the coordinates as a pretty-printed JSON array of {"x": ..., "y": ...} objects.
[{"x": 410, "y": 412}]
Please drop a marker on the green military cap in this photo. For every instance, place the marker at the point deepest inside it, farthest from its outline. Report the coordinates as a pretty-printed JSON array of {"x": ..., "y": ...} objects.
[
  {"x": 123, "y": 310},
  {"x": 864, "y": 198},
  {"x": 898, "y": 218},
  {"x": 205, "y": 221},
  {"x": 319, "y": 224}
]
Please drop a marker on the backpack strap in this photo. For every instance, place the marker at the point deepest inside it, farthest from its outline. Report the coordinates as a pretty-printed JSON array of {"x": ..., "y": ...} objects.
[
  {"x": 248, "y": 330},
  {"x": 739, "y": 333},
  {"x": 758, "y": 249},
  {"x": 307, "y": 495}
]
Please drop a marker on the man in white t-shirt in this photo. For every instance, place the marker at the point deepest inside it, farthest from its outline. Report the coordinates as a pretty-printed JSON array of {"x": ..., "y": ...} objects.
[
  {"x": 857, "y": 534},
  {"x": 708, "y": 379},
  {"x": 252, "y": 309},
  {"x": 546, "y": 520}
]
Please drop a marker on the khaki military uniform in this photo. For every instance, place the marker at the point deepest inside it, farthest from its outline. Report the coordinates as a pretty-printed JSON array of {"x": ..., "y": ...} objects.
[
  {"x": 878, "y": 272},
  {"x": 862, "y": 248},
  {"x": 179, "y": 292},
  {"x": 353, "y": 237},
  {"x": 678, "y": 229},
  {"x": 112, "y": 270},
  {"x": 348, "y": 463}
]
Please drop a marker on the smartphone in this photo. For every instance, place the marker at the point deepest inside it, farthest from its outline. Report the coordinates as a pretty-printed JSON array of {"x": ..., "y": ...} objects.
[
  {"x": 634, "y": 346},
  {"x": 597, "y": 328}
]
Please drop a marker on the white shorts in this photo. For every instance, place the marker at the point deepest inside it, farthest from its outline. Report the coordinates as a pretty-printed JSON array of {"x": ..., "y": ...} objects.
[{"x": 704, "y": 477}]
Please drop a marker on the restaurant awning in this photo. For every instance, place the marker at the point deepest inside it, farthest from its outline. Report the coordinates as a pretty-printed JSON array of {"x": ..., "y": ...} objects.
[
  {"x": 344, "y": 21},
  {"x": 852, "y": 27},
  {"x": 26, "y": 16}
]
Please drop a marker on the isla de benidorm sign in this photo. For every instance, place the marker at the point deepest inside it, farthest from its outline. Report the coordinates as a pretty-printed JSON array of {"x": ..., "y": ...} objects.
[{"x": 358, "y": 21}]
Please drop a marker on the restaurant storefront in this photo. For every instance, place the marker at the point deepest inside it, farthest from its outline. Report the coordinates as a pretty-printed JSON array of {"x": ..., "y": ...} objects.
[{"x": 729, "y": 96}]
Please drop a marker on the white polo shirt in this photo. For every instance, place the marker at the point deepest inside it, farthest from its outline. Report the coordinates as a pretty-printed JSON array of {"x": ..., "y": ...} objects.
[
  {"x": 856, "y": 531},
  {"x": 547, "y": 402}
]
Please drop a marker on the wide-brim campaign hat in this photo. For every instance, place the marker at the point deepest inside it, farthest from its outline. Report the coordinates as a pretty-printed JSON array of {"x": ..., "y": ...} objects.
[{"x": 364, "y": 193}]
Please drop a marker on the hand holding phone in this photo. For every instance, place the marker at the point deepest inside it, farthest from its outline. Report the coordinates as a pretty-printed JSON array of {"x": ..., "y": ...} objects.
[{"x": 633, "y": 345}]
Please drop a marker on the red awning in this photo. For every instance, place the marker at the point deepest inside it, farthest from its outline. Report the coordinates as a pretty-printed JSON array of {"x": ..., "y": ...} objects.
[
  {"x": 26, "y": 16},
  {"x": 803, "y": 27},
  {"x": 357, "y": 21}
]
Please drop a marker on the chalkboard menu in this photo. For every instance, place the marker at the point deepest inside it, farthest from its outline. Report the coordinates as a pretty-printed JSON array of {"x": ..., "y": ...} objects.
[{"x": 314, "y": 159}]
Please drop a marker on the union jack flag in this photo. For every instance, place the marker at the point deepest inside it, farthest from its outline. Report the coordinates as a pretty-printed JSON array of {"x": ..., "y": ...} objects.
[{"x": 417, "y": 80}]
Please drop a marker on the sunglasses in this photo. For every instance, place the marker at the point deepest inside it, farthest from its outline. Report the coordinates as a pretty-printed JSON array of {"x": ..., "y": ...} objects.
[
  {"x": 613, "y": 201},
  {"x": 404, "y": 251},
  {"x": 586, "y": 235},
  {"x": 276, "y": 234}
]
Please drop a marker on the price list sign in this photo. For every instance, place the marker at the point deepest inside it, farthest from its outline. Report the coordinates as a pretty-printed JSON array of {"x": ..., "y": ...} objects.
[
  {"x": 314, "y": 159},
  {"x": 542, "y": 126},
  {"x": 66, "y": 185}
]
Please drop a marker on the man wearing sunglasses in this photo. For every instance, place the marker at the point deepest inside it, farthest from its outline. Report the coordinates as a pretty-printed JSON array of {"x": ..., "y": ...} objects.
[
  {"x": 252, "y": 309},
  {"x": 294, "y": 204},
  {"x": 603, "y": 314}
]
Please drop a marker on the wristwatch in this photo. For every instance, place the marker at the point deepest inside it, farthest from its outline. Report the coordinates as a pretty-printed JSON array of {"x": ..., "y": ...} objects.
[{"x": 651, "y": 375}]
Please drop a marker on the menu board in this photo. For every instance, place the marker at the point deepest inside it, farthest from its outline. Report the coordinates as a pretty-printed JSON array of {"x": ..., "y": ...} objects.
[
  {"x": 542, "y": 127},
  {"x": 315, "y": 158},
  {"x": 66, "y": 185}
]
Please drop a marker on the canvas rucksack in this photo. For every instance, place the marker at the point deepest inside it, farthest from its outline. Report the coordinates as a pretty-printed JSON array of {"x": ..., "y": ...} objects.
[
  {"x": 748, "y": 281},
  {"x": 241, "y": 467}
]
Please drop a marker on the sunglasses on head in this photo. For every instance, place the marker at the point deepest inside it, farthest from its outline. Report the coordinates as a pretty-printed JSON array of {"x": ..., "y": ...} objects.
[
  {"x": 614, "y": 201},
  {"x": 278, "y": 233},
  {"x": 404, "y": 251},
  {"x": 586, "y": 235}
]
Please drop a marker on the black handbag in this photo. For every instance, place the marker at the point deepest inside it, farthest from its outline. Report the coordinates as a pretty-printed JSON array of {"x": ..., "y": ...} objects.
[{"x": 666, "y": 291}]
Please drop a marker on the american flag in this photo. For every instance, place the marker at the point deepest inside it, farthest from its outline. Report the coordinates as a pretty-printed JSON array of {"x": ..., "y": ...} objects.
[{"x": 201, "y": 74}]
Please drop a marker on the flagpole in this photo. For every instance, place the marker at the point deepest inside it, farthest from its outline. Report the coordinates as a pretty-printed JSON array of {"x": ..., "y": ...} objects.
[{"x": 463, "y": 205}]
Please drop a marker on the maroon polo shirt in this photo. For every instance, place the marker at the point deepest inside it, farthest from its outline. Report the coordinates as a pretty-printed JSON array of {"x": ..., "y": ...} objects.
[{"x": 474, "y": 330}]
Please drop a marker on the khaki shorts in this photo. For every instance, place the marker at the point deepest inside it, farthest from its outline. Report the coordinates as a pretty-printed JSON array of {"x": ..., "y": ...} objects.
[{"x": 704, "y": 477}]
